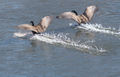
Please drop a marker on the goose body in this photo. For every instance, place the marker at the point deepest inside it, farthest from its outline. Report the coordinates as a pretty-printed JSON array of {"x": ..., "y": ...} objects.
[
  {"x": 83, "y": 18},
  {"x": 36, "y": 29}
]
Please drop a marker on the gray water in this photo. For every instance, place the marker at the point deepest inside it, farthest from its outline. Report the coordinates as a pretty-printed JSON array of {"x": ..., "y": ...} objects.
[{"x": 22, "y": 57}]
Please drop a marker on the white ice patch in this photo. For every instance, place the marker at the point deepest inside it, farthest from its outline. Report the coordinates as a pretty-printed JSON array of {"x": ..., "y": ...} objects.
[{"x": 97, "y": 28}]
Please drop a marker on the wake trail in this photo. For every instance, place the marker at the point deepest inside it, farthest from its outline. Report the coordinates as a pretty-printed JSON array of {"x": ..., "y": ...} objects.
[
  {"x": 62, "y": 39},
  {"x": 98, "y": 28}
]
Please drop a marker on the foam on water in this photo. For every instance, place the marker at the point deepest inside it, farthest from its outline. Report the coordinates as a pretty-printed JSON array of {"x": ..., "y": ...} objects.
[
  {"x": 98, "y": 28},
  {"x": 20, "y": 34},
  {"x": 62, "y": 39}
]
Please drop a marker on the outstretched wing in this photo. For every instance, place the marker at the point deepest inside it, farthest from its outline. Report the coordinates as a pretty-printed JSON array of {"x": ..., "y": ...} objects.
[
  {"x": 41, "y": 27},
  {"x": 45, "y": 22},
  {"x": 27, "y": 27},
  {"x": 67, "y": 15},
  {"x": 90, "y": 10}
]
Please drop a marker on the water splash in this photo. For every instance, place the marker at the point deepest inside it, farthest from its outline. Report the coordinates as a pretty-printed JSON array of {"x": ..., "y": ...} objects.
[
  {"x": 21, "y": 35},
  {"x": 98, "y": 28},
  {"x": 62, "y": 39}
]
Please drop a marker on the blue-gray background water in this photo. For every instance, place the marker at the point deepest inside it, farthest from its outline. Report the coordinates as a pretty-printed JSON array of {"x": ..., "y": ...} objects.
[{"x": 22, "y": 57}]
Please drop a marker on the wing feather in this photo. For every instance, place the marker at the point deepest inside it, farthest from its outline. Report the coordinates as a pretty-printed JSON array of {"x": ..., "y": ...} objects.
[
  {"x": 67, "y": 15},
  {"x": 45, "y": 22},
  {"x": 27, "y": 27}
]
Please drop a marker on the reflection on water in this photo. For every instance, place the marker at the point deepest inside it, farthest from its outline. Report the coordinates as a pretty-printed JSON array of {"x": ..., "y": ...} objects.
[{"x": 61, "y": 57}]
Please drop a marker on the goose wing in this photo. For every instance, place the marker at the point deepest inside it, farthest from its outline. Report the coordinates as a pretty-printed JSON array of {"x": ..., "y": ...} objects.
[
  {"x": 67, "y": 15},
  {"x": 27, "y": 27},
  {"x": 45, "y": 22}
]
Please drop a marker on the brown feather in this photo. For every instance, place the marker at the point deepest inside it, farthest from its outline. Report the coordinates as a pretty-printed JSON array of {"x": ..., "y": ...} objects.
[
  {"x": 41, "y": 27},
  {"x": 27, "y": 27},
  {"x": 84, "y": 18}
]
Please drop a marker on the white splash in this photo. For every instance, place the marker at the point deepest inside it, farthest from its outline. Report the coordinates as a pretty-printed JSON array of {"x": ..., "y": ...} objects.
[
  {"x": 19, "y": 34},
  {"x": 62, "y": 39},
  {"x": 98, "y": 28}
]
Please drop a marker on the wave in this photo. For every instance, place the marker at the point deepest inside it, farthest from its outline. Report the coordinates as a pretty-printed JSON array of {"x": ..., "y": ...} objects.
[{"x": 97, "y": 28}]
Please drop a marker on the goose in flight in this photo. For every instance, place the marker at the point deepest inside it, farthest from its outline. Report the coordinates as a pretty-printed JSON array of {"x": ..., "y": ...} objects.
[
  {"x": 37, "y": 29},
  {"x": 83, "y": 18}
]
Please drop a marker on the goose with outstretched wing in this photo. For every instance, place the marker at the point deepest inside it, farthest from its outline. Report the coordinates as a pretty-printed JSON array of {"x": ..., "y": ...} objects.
[
  {"x": 83, "y": 18},
  {"x": 37, "y": 29}
]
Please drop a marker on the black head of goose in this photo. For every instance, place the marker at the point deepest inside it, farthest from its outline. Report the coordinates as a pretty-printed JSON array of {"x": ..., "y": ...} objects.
[{"x": 32, "y": 22}]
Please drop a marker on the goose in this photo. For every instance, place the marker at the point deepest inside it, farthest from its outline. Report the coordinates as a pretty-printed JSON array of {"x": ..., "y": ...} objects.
[
  {"x": 83, "y": 18},
  {"x": 37, "y": 29}
]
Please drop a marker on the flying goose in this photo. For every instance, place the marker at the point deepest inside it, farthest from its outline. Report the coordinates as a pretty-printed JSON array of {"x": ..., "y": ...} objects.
[
  {"x": 37, "y": 29},
  {"x": 83, "y": 18}
]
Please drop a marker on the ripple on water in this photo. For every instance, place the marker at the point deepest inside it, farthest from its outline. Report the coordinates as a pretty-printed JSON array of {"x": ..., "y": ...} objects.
[{"x": 11, "y": 5}]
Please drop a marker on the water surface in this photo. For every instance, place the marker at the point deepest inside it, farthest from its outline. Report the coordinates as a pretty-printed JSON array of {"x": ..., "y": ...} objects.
[{"x": 66, "y": 55}]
